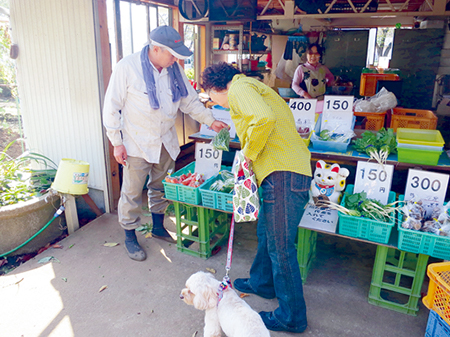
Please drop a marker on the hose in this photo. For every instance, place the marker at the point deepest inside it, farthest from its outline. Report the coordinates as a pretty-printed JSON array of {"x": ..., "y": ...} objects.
[{"x": 57, "y": 214}]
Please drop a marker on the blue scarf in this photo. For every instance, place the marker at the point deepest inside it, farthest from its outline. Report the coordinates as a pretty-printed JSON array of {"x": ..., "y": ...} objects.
[{"x": 177, "y": 84}]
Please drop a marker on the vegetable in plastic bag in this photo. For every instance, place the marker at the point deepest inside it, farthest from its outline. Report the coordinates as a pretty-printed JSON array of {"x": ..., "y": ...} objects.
[
  {"x": 222, "y": 140},
  {"x": 224, "y": 182}
]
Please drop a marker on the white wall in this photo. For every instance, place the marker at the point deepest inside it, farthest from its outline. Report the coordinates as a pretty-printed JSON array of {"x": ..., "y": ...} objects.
[{"x": 58, "y": 81}]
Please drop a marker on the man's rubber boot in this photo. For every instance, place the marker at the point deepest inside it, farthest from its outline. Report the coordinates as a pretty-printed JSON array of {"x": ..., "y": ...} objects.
[
  {"x": 135, "y": 252},
  {"x": 158, "y": 230}
]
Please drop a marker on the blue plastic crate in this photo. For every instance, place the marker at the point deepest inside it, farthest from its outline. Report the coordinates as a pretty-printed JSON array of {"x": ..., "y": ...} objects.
[
  {"x": 364, "y": 228},
  {"x": 179, "y": 192},
  {"x": 420, "y": 242},
  {"x": 329, "y": 146},
  {"x": 215, "y": 199},
  {"x": 436, "y": 326}
]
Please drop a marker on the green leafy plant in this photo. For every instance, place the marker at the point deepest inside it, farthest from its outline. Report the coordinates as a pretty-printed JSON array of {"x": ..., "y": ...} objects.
[
  {"x": 7, "y": 69},
  {"x": 18, "y": 181},
  {"x": 377, "y": 146},
  {"x": 358, "y": 205},
  {"x": 190, "y": 73}
]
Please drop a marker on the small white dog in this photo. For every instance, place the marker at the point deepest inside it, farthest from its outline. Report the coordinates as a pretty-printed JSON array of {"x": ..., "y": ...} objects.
[{"x": 229, "y": 313}]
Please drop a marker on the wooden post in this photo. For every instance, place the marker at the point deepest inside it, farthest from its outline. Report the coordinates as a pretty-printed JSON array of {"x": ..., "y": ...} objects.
[{"x": 71, "y": 213}]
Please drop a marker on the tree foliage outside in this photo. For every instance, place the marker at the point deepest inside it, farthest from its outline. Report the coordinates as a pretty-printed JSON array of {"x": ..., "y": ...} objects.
[
  {"x": 384, "y": 42},
  {"x": 7, "y": 67}
]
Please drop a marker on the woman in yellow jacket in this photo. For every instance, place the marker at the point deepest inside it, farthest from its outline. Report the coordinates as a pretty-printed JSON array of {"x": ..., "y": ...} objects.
[{"x": 281, "y": 162}]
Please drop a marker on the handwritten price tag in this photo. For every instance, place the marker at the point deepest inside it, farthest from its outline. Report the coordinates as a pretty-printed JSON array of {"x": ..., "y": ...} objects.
[
  {"x": 207, "y": 160},
  {"x": 304, "y": 111},
  {"x": 430, "y": 187},
  {"x": 324, "y": 219},
  {"x": 374, "y": 179},
  {"x": 337, "y": 114}
]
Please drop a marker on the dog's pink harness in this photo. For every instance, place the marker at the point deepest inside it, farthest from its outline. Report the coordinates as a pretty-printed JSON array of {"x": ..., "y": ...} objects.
[{"x": 223, "y": 286}]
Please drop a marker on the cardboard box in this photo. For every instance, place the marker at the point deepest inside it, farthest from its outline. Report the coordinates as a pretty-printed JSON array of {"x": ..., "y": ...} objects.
[{"x": 216, "y": 43}]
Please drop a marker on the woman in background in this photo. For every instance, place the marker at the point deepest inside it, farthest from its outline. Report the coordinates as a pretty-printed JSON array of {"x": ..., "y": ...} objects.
[{"x": 311, "y": 79}]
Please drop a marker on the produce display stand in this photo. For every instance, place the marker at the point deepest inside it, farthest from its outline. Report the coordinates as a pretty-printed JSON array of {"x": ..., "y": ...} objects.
[
  {"x": 350, "y": 157},
  {"x": 391, "y": 265},
  {"x": 200, "y": 229}
]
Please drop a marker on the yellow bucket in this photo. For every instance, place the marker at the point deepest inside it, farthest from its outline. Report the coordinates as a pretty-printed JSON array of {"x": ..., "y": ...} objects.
[{"x": 72, "y": 177}]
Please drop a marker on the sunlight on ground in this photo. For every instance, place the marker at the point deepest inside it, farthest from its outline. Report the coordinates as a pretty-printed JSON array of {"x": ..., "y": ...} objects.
[
  {"x": 163, "y": 253},
  {"x": 186, "y": 229},
  {"x": 64, "y": 328},
  {"x": 45, "y": 311}
]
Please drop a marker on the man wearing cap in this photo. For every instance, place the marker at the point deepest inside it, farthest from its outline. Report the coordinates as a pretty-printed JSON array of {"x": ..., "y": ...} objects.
[{"x": 145, "y": 91}]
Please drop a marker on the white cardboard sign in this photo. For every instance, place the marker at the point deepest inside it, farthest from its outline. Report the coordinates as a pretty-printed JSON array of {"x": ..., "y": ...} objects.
[
  {"x": 222, "y": 115},
  {"x": 337, "y": 115},
  {"x": 304, "y": 111},
  {"x": 324, "y": 219},
  {"x": 430, "y": 187},
  {"x": 207, "y": 160},
  {"x": 374, "y": 179}
]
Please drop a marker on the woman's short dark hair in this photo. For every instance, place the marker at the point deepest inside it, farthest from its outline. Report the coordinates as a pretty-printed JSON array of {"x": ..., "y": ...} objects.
[
  {"x": 319, "y": 48},
  {"x": 218, "y": 76}
]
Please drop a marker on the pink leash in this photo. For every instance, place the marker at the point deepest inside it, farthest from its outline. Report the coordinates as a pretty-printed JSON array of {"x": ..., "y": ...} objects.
[
  {"x": 230, "y": 246},
  {"x": 226, "y": 280}
]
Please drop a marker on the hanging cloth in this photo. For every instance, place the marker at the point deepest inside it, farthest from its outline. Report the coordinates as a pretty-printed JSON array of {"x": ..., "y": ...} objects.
[{"x": 177, "y": 84}]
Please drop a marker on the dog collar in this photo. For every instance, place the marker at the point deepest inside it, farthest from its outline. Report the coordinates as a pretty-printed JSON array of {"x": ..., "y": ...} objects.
[{"x": 222, "y": 287}]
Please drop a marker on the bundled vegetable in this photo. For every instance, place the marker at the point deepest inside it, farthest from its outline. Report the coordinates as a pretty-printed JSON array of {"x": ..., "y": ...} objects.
[
  {"x": 357, "y": 204},
  {"x": 377, "y": 146},
  {"x": 415, "y": 218},
  {"x": 329, "y": 135},
  {"x": 222, "y": 140},
  {"x": 190, "y": 179},
  {"x": 224, "y": 183}
]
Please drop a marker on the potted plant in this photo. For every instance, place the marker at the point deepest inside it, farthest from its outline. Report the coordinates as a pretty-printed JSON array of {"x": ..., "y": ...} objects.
[{"x": 26, "y": 203}]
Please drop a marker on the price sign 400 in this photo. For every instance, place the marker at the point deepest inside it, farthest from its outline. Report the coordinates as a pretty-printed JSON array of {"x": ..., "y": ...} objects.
[{"x": 300, "y": 105}]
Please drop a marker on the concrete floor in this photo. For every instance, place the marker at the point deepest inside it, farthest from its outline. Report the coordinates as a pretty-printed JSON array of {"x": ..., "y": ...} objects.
[{"x": 62, "y": 298}]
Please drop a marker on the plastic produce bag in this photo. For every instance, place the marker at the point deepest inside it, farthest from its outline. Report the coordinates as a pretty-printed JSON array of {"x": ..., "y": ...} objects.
[
  {"x": 382, "y": 101},
  {"x": 222, "y": 140},
  {"x": 224, "y": 182}
]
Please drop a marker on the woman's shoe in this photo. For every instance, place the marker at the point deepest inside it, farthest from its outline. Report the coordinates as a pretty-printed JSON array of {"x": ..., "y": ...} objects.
[{"x": 242, "y": 284}]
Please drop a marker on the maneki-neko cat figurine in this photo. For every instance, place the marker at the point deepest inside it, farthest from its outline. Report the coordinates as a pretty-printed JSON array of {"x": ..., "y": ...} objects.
[{"x": 328, "y": 183}]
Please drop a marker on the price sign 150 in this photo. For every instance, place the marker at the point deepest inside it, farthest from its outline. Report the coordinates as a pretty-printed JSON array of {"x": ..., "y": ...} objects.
[
  {"x": 337, "y": 105},
  {"x": 209, "y": 153},
  {"x": 373, "y": 174}
]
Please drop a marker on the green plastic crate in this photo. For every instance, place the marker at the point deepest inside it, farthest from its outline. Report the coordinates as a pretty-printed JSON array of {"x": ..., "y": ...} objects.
[
  {"x": 364, "y": 228},
  {"x": 215, "y": 199},
  {"x": 420, "y": 242},
  {"x": 306, "y": 250},
  {"x": 416, "y": 156},
  {"x": 388, "y": 288},
  {"x": 200, "y": 230},
  {"x": 179, "y": 192}
]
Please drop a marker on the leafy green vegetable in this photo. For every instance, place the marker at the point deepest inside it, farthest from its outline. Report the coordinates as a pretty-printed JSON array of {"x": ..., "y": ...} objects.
[
  {"x": 325, "y": 135},
  {"x": 368, "y": 208},
  {"x": 224, "y": 182},
  {"x": 222, "y": 140},
  {"x": 378, "y": 146}
]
